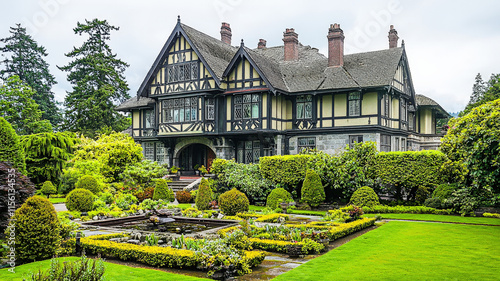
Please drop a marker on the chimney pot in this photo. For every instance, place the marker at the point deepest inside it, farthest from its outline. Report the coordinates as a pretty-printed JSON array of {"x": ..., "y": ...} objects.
[
  {"x": 225, "y": 33},
  {"x": 261, "y": 44},
  {"x": 335, "y": 45},
  {"x": 393, "y": 37},
  {"x": 291, "y": 40}
]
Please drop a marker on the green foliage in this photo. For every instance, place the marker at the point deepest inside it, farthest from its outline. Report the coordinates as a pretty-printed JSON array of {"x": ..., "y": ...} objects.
[
  {"x": 483, "y": 92},
  {"x": 37, "y": 230},
  {"x": 433, "y": 202},
  {"x": 83, "y": 270},
  {"x": 68, "y": 180},
  {"x": 444, "y": 191},
  {"x": 183, "y": 196},
  {"x": 27, "y": 61},
  {"x": 48, "y": 188},
  {"x": 423, "y": 192},
  {"x": 491, "y": 215},
  {"x": 313, "y": 192},
  {"x": 464, "y": 202},
  {"x": 10, "y": 148},
  {"x": 98, "y": 82},
  {"x": 244, "y": 177},
  {"x": 278, "y": 195},
  {"x": 473, "y": 140},
  {"x": 89, "y": 183},
  {"x": 19, "y": 109},
  {"x": 125, "y": 200},
  {"x": 204, "y": 196},
  {"x": 143, "y": 173},
  {"x": 337, "y": 215},
  {"x": 144, "y": 193},
  {"x": 233, "y": 201},
  {"x": 80, "y": 199},
  {"x": 107, "y": 197},
  {"x": 403, "y": 172},
  {"x": 47, "y": 154},
  {"x": 380, "y": 209},
  {"x": 287, "y": 171},
  {"x": 364, "y": 196},
  {"x": 162, "y": 191}
]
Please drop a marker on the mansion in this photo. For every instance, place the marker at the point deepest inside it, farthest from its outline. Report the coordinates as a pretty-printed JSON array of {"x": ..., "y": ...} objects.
[{"x": 205, "y": 98}]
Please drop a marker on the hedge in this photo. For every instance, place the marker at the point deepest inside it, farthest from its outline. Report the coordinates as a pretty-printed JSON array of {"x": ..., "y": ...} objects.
[
  {"x": 381, "y": 209},
  {"x": 281, "y": 246},
  {"x": 345, "y": 229},
  {"x": 491, "y": 215},
  {"x": 288, "y": 170},
  {"x": 272, "y": 217}
]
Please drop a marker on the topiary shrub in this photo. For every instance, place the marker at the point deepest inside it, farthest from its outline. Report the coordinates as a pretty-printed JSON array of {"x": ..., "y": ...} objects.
[
  {"x": 233, "y": 201},
  {"x": 433, "y": 203},
  {"x": 444, "y": 191},
  {"x": 48, "y": 188},
  {"x": 162, "y": 191},
  {"x": 80, "y": 199},
  {"x": 276, "y": 195},
  {"x": 89, "y": 183},
  {"x": 10, "y": 147},
  {"x": 364, "y": 197},
  {"x": 183, "y": 196},
  {"x": 204, "y": 196},
  {"x": 313, "y": 192},
  {"x": 37, "y": 230}
]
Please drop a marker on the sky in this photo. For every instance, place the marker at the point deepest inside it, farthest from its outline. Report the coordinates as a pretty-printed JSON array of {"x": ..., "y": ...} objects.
[{"x": 447, "y": 42}]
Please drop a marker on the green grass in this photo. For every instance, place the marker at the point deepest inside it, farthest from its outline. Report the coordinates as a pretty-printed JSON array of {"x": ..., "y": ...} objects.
[
  {"x": 256, "y": 208},
  {"x": 184, "y": 206},
  {"x": 114, "y": 272},
  {"x": 57, "y": 200},
  {"x": 308, "y": 212},
  {"x": 442, "y": 218},
  {"x": 410, "y": 251}
]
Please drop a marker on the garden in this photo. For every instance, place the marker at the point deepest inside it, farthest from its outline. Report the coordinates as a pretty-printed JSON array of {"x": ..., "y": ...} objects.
[{"x": 121, "y": 209}]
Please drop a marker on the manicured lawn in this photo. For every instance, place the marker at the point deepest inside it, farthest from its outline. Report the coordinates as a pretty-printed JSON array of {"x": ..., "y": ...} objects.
[
  {"x": 410, "y": 251},
  {"x": 256, "y": 208},
  {"x": 307, "y": 212},
  {"x": 184, "y": 205},
  {"x": 443, "y": 218},
  {"x": 57, "y": 200},
  {"x": 113, "y": 272}
]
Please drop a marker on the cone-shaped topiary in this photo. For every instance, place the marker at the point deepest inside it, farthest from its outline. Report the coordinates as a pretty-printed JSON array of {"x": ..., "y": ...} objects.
[
  {"x": 80, "y": 199},
  {"x": 48, "y": 188},
  {"x": 276, "y": 195},
  {"x": 364, "y": 197},
  {"x": 10, "y": 147},
  {"x": 313, "y": 192},
  {"x": 37, "y": 230},
  {"x": 204, "y": 196},
  {"x": 89, "y": 183},
  {"x": 233, "y": 201},
  {"x": 162, "y": 191}
]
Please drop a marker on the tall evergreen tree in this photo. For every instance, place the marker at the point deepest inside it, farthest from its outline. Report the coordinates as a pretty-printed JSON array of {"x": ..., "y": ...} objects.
[
  {"x": 98, "y": 82},
  {"x": 483, "y": 92},
  {"x": 27, "y": 60}
]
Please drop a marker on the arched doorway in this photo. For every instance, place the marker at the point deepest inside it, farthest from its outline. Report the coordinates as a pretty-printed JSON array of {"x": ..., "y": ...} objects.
[{"x": 195, "y": 155}]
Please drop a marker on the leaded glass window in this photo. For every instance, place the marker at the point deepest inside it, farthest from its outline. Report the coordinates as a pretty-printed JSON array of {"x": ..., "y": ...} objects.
[
  {"x": 182, "y": 72},
  {"x": 149, "y": 150},
  {"x": 354, "y": 104},
  {"x": 355, "y": 139},
  {"x": 248, "y": 152},
  {"x": 304, "y": 107},
  {"x": 306, "y": 143},
  {"x": 385, "y": 143},
  {"x": 247, "y": 106},
  {"x": 161, "y": 153},
  {"x": 209, "y": 109},
  {"x": 180, "y": 110},
  {"x": 149, "y": 118}
]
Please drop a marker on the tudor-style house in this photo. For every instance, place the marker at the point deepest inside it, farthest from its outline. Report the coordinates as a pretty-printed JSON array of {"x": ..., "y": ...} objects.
[{"x": 204, "y": 98}]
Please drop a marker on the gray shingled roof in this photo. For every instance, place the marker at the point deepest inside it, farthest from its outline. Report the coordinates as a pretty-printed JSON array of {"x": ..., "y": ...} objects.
[
  {"x": 426, "y": 101},
  {"x": 135, "y": 102}
]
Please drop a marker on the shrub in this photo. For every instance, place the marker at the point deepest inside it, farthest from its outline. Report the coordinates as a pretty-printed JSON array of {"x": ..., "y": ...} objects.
[
  {"x": 147, "y": 193},
  {"x": 68, "y": 180},
  {"x": 288, "y": 170},
  {"x": 142, "y": 173},
  {"x": 233, "y": 201},
  {"x": 107, "y": 197},
  {"x": 183, "y": 196},
  {"x": 98, "y": 204},
  {"x": 37, "y": 230},
  {"x": 89, "y": 183},
  {"x": 10, "y": 147},
  {"x": 491, "y": 215},
  {"x": 48, "y": 188},
  {"x": 277, "y": 196},
  {"x": 313, "y": 192},
  {"x": 204, "y": 196},
  {"x": 379, "y": 209},
  {"x": 124, "y": 200},
  {"x": 364, "y": 196},
  {"x": 444, "y": 191},
  {"x": 464, "y": 202},
  {"x": 80, "y": 199},
  {"x": 162, "y": 191},
  {"x": 423, "y": 192},
  {"x": 83, "y": 270},
  {"x": 193, "y": 193},
  {"x": 433, "y": 203}
]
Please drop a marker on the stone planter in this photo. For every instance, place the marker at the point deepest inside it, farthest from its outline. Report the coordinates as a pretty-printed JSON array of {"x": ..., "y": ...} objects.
[{"x": 294, "y": 251}]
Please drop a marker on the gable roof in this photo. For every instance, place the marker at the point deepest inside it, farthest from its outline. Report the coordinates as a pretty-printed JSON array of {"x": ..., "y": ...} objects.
[
  {"x": 135, "y": 102},
  {"x": 428, "y": 102}
]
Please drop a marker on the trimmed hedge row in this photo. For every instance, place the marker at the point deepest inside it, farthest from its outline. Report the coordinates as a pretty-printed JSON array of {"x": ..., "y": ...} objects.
[
  {"x": 272, "y": 218},
  {"x": 491, "y": 215},
  {"x": 342, "y": 230},
  {"x": 287, "y": 170},
  {"x": 381, "y": 209},
  {"x": 281, "y": 246}
]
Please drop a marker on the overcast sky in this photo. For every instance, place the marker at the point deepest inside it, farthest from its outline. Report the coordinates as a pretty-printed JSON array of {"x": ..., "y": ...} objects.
[{"x": 447, "y": 42}]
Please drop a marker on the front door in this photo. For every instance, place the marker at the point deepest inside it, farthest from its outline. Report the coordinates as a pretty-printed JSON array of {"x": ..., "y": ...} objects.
[{"x": 195, "y": 155}]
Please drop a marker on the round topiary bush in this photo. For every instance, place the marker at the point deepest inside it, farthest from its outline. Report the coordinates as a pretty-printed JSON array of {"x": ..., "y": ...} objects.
[
  {"x": 183, "y": 196},
  {"x": 80, "y": 199},
  {"x": 444, "y": 191},
  {"x": 233, "y": 201},
  {"x": 162, "y": 191},
  {"x": 364, "y": 197},
  {"x": 37, "y": 230},
  {"x": 276, "y": 195},
  {"x": 313, "y": 192},
  {"x": 48, "y": 188},
  {"x": 89, "y": 183},
  {"x": 204, "y": 196}
]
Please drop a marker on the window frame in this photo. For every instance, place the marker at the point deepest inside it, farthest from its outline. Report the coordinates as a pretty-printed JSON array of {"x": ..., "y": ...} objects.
[
  {"x": 250, "y": 101},
  {"x": 179, "y": 107},
  {"x": 304, "y": 101},
  {"x": 307, "y": 145},
  {"x": 359, "y": 138},
  {"x": 248, "y": 148},
  {"x": 353, "y": 99}
]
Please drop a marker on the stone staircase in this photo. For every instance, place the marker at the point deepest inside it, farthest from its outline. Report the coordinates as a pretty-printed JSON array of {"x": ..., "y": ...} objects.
[{"x": 181, "y": 184}]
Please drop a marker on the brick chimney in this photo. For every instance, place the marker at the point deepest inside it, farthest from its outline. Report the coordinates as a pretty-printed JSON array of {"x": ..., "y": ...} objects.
[
  {"x": 261, "y": 44},
  {"x": 225, "y": 33},
  {"x": 393, "y": 38},
  {"x": 291, "y": 40},
  {"x": 335, "y": 45}
]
